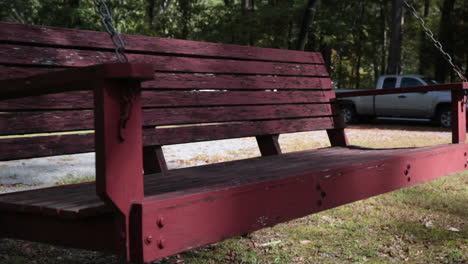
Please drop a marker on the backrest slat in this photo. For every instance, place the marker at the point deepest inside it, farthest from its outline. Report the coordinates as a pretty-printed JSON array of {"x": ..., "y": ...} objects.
[
  {"x": 201, "y": 91},
  {"x": 186, "y": 134},
  {"x": 84, "y": 100},
  {"x": 58, "y": 121},
  {"x": 47, "y": 56},
  {"x": 62, "y": 37},
  {"x": 42, "y": 146}
]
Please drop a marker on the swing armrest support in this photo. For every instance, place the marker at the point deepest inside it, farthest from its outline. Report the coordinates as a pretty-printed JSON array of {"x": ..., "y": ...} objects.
[{"x": 76, "y": 79}]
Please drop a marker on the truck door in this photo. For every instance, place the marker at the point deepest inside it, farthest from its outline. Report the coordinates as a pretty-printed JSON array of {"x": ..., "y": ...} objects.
[
  {"x": 385, "y": 104},
  {"x": 414, "y": 104}
]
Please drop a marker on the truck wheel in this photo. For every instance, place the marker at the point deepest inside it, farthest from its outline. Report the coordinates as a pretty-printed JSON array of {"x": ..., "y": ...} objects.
[
  {"x": 444, "y": 117},
  {"x": 349, "y": 113}
]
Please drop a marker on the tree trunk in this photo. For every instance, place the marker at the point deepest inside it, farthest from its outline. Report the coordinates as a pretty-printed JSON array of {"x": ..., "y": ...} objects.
[
  {"x": 150, "y": 12},
  {"x": 247, "y": 27},
  {"x": 446, "y": 38},
  {"x": 383, "y": 28},
  {"x": 425, "y": 51},
  {"x": 186, "y": 16},
  {"x": 394, "y": 58},
  {"x": 340, "y": 70},
  {"x": 306, "y": 25},
  {"x": 360, "y": 34},
  {"x": 466, "y": 63},
  {"x": 228, "y": 2}
]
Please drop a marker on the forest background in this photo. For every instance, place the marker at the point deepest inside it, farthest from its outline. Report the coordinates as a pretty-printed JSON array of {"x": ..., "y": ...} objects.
[{"x": 355, "y": 36}]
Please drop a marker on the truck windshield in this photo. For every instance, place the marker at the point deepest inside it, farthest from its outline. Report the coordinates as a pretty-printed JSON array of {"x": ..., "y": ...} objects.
[{"x": 429, "y": 81}]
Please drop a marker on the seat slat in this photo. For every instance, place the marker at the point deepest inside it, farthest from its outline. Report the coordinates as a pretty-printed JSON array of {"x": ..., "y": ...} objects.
[
  {"x": 27, "y": 55},
  {"x": 38, "y": 35}
]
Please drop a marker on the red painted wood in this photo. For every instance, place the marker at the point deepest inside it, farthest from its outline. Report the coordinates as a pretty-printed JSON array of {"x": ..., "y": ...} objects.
[
  {"x": 40, "y": 122},
  {"x": 119, "y": 164},
  {"x": 32, "y": 147},
  {"x": 458, "y": 116},
  {"x": 232, "y": 113},
  {"x": 337, "y": 135},
  {"x": 28, "y": 55},
  {"x": 119, "y": 155},
  {"x": 198, "y": 81},
  {"x": 84, "y": 99},
  {"x": 226, "y": 98},
  {"x": 70, "y": 100},
  {"x": 165, "y": 136},
  {"x": 81, "y": 200},
  {"x": 153, "y": 160},
  {"x": 9, "y": 72},
  {"x": 192, "y": 220},
  {"x": 72, "y": 79},
  {"x": 97, "y": 233},
  {"x": 268, "y": 145},
  {"x": 244, "y": 82},
  {"x": 15, "y": 123},
  {"x": 34, "y": 35},
  {"x": 416, "y": 89}
]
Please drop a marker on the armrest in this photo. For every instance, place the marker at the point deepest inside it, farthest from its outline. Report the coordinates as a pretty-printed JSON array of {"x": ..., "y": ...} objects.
[
  {"x": 416, "y": 89},
  {"x": 72, "y": 79}
]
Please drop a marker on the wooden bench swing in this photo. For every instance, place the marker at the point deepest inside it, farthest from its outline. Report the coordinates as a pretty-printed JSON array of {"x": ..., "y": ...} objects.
[{"x": 177, "y": 91}]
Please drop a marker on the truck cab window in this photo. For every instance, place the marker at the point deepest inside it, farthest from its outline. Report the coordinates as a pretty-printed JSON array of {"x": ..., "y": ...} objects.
[
  {"x": 409, "y": 82},
  {"x": 389, "y": 83},
  {"x": 430, "y": 81}
]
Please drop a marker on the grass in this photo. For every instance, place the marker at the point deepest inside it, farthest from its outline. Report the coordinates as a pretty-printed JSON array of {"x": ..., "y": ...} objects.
[
  {"x": 426, "y": 223},
  {"x": 73, "y": 179},
  {"x": 391, "y": 228}
]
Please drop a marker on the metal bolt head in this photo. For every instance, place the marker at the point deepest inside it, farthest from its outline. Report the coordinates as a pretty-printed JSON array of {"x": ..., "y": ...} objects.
[
  {"x": 149, "y": 240},
  {"x": 161, "y": 222},
  {"x": 161, "y": 243}
]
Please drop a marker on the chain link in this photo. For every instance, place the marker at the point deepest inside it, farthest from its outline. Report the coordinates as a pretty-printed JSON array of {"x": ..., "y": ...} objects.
[
  {"x": 106, "y": 19},
  {"x": 436, "y": 43}
]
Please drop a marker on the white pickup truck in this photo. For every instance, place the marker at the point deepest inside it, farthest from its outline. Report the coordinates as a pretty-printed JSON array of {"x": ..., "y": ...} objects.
[{"x": 434, "y": 105}]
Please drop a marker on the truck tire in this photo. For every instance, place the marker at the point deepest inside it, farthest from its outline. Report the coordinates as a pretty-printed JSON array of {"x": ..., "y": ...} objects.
[
  {"x": 444, "y": 117},
  {"x": 349, "y": 113}
]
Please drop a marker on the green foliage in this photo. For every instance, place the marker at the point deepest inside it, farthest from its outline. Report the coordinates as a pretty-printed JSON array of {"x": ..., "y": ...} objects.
[{"x": 353, "y": 35}]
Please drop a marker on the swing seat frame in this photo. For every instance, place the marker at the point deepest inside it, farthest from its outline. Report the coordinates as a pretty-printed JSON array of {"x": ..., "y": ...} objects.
[{"x": 53, "y": 80}]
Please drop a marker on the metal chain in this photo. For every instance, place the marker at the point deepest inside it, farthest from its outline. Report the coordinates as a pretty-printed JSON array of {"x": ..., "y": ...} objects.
[
  {"x": 106, "y": 19},
  {"x": 128, "y": 93},
  {"x": 437, "y": 44}
]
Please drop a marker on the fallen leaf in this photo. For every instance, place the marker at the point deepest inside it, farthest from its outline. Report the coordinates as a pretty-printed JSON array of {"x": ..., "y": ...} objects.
[
  {"x": 273, "y": 243},
  {"x": 305, "y": 242},
  {"x": 428, "y": 224},
  {"x": 453, "y": 229}
]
